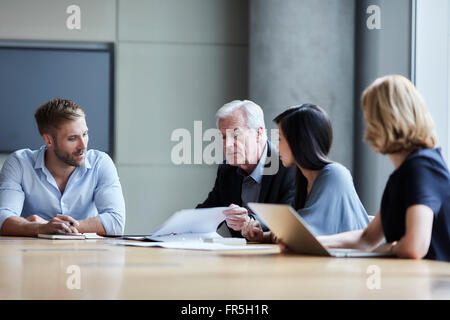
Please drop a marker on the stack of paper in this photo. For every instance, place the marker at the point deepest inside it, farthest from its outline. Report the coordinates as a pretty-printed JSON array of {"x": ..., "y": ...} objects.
[{"x": 193, "y": 246}]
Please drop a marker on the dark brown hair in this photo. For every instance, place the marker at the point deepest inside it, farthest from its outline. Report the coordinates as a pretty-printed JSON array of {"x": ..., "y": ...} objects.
[
  {"x": 55, "y": 112},
  {"x": 309, "y": 134}
]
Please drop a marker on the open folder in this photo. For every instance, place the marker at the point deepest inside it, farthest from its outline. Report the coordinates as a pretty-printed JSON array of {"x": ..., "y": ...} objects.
[{"x": 188, "y": 225}]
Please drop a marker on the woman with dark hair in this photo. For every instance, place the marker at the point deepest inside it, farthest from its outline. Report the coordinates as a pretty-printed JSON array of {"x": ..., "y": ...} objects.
[{"x": 325, "y": 196}]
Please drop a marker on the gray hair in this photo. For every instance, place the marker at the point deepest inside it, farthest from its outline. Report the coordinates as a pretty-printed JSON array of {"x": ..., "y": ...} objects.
[{"x": 254, "y": 113}]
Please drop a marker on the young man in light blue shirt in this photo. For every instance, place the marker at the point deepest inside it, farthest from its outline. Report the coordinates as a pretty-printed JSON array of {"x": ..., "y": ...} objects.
[{"x": 62, "y": 187}]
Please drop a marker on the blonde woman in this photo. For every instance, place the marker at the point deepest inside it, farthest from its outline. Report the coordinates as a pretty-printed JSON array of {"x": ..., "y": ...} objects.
[{"x": 414, "y": 217}]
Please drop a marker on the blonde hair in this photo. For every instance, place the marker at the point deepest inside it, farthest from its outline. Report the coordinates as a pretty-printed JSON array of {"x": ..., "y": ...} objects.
[{"x": 396, "y": 116}]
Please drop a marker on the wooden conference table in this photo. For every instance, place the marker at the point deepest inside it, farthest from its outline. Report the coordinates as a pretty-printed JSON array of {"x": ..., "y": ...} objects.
[{"x": 40, "y": 269}]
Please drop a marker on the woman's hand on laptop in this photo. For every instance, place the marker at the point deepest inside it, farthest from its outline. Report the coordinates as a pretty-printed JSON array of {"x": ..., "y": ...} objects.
[
  {"x": 252, "y": 231},
  {"x": 279, "y": 242}
]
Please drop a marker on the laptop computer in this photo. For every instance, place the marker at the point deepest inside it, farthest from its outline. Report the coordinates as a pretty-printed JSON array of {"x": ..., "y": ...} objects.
[{"x": 289, "y": 226}]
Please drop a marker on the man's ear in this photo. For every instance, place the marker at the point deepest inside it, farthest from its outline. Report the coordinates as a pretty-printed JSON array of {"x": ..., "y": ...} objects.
[{"x": 48, "y": 140}]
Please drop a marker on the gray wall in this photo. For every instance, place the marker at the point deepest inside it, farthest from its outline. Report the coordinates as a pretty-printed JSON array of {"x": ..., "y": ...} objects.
[
  {"x": 322, "y": 52},
  {"x": 302, "y": 51},
  {"x": 176, "y": 62},
  {"x": 378, "y": 53}
]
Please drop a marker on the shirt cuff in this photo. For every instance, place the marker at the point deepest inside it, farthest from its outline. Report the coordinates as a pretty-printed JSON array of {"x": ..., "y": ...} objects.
[{"x": 111, "y": 225}]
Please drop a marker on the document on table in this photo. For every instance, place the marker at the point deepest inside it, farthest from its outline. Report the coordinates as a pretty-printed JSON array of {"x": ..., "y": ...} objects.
[
  {"x": 70, "y": 236},
  {"x": 188, "y": 229},
  {"x": 193, "y": 245},
  {"x": 188, "y": 225},
  {"x": 189, "y": 236}
]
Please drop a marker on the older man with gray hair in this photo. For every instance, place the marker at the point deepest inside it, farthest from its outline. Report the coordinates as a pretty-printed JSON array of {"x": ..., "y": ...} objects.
[{"x": 252, "y": 171}]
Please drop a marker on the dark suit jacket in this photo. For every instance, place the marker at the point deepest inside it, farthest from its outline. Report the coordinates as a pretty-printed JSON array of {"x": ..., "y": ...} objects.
[{"x": 275, "y": 188}]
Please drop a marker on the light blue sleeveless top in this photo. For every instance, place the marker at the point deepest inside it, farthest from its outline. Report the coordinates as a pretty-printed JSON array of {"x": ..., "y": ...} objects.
[{"x": 333, "y": 206}]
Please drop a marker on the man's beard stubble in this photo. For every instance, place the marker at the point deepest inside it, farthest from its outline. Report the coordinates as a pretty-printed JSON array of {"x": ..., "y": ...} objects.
[{"x": 67, "y": 158}]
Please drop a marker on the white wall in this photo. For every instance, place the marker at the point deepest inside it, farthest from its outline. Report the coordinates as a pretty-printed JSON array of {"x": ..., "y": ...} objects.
[
  {"x": 176, "y": 62},
  {"x": 379, "y": 52},
  {"x": 432, "y": 64}
]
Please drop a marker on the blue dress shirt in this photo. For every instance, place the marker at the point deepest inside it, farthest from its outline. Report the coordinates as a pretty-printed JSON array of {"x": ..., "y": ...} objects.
[
  {"x": 251, "y": 184},
  {"x": 93, "y": 190}
]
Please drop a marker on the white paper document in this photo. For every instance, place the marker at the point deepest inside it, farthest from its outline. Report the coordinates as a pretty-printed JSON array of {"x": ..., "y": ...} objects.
[
  {"x": 198, "y": 237},
  {"x": 190, "y": 225},
  {"x": 193, "y": 245}
]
